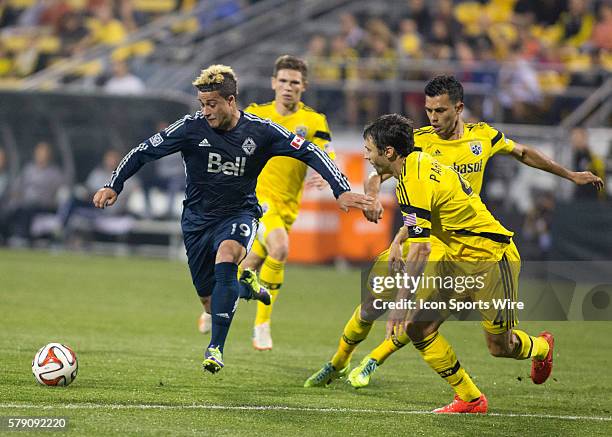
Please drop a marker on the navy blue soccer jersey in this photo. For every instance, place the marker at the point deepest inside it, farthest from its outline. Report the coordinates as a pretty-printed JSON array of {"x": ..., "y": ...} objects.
[{"x": 222, "y": 166}]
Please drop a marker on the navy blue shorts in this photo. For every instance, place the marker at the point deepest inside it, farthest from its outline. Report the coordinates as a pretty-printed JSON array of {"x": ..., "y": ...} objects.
[{"x": 202, "y": 247}]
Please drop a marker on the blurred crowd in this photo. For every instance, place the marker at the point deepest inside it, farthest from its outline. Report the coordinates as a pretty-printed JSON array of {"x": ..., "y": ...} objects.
[
  {"x": 42, "y": 204},
  {"x": 35, "y": 34},
  {"x": 527, "y": 50}
]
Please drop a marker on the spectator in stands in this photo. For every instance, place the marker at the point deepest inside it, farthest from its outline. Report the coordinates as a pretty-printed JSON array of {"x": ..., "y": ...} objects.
[
  {"x": 318, "y": 66},
  {"x": 36, "y": 191},
  {"x": 351, "y": 31},
  {"x": 417, "y": 11},
  {"x": 130, "y": 18},
  {"x": 602, "y": 32},
  {"x": 519, "y": 88},
  {"x": 576, "y": 24},
  {"x": 584, "y": 160},
  {"x": 9, "y": 14},
  {"x": 541, "y": 12},
  {"x": 104, "y": 28},
  {"x": 122, "y": 81},
  {"x": 538, "y": 222},
  {"x": 409, "y": 41},
  {"x": 444, "y": 13},
  {"x": 71, "y": 31},
  {"x": 440, "y": 42}
]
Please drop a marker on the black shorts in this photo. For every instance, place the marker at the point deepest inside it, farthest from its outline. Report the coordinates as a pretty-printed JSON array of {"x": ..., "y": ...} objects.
[{"x": 202, "y": 247}]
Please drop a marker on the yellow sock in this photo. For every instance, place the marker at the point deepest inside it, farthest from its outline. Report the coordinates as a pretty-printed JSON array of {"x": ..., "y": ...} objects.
[
  {"x": 440, "y": 356},
  {"x": 271, "y": 276},
  {"x": 389, "y": 346},
  {"x": 355, "y": 331},
  {"x": 529, "y": 346}
]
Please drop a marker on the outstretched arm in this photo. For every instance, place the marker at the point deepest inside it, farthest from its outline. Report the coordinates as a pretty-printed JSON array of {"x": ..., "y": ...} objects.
[
  {"x": 159, "y": 145},
  {"x": 286, "y": 143},
  {"x": 372, "y": 189},
  {"x": 536, "y": 159}
]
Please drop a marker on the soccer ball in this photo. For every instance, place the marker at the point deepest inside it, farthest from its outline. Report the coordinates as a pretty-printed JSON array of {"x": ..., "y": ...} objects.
[{"x": 55, "y": 364}]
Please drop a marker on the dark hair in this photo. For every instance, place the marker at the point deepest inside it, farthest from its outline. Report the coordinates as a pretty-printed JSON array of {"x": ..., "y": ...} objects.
[
  {"x": 393, "y": 130},
  {"x": 288, "y": 62},
  {"x": 441, "y": 85}
]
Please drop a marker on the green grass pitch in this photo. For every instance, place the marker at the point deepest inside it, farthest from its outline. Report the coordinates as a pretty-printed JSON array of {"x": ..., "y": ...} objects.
[{"x": 132, "y": 323}]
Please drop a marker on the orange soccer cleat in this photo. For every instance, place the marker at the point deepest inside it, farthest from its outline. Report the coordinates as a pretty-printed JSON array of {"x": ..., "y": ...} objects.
[
  {"x": 541, "y": 369},
  {"x": 479, "y": 406}
]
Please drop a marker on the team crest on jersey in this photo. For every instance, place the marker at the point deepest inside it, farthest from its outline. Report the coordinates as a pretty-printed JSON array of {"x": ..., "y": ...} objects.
[
  {"x": 156, "y": 140},
  {"x": 476, "y": 148},
  {"x": 301, "y": 131},
  {"x": 249, "y": 146}
]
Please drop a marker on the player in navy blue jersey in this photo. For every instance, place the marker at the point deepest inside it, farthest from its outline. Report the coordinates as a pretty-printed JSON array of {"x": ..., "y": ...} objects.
[{"x": 224, "y": 150}]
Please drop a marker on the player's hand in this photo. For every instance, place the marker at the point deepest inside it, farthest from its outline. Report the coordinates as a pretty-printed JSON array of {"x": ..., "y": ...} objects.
[
  {"x": 586, "y": 177},
  {"x": 374, "y": 213},
  {"x": 316, "y": 181},
  {"x": 396, "y": 263},
  {"x": 397, "y": 323},
  {"x": 348, "y": 200},
  {"x": 104, "y": 197}
]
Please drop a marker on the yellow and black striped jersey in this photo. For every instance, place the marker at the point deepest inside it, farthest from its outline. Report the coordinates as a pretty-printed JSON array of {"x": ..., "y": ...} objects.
[
  {"x": 469, "y": 154},
  {"x": 282, "y": 178},
  {"x": 436, "y": 200}
]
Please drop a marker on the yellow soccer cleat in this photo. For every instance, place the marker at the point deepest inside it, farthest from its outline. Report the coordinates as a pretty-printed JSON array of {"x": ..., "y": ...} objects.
[
  {"x": 326, "y": 375},
  {"x": 213, "y": 360},
  {"x": 360, "y": 375}
]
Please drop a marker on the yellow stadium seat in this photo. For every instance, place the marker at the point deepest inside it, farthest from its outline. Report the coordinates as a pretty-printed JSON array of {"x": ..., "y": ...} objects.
[
  {"x": 89, "y": 69},
  {"x": 15, "y": 43},
  {"x": 500, "y": 11},
  {"x": 505, "y": 31},
  {"x": 154, "y": 6},
  {"x": 189, "y": 25},
  {"x": 21, "y": 4},
  {"x": 139, "y": 48},
  {"x": 6, "y": 65},
  {"x": 77, "y": 5},
  {"x": 552, "y": 81},
  {"x": 606, "y": 60},
  {"x": 468, "y": 12},
  {"x": 10, "y": 83},
  {"x": 49, "y": 45}
]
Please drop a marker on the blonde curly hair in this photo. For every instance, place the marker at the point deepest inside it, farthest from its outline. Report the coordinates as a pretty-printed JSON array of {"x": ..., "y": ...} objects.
[{"x": 219, "y": 78}]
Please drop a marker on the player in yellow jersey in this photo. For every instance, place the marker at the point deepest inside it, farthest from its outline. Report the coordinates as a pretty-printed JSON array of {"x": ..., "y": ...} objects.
[
  {"x": 436, "y": 200},
  {"x": 465, "y": 147},
  {"x": 280, "y": 184}
]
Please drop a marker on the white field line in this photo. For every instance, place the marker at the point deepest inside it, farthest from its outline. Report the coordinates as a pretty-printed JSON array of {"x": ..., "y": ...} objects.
[{"x": 92, "y": 406}]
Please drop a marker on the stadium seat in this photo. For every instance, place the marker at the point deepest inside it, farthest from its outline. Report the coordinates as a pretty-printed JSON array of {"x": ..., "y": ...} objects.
[{"x": 154, "y": 6}]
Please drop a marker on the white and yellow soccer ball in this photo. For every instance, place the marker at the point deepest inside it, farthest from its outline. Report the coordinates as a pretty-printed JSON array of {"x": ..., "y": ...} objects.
[{"x": 55, "y": 365}]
